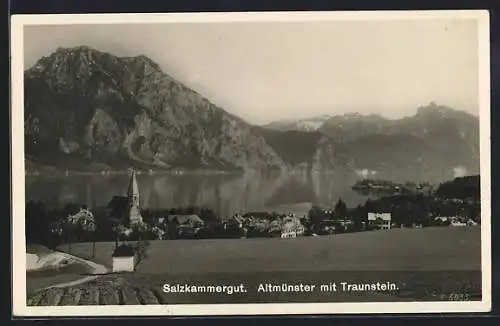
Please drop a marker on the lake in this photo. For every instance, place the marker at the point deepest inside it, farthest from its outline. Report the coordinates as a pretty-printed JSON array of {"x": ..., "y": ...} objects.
[{"x": 225, "y": 194}]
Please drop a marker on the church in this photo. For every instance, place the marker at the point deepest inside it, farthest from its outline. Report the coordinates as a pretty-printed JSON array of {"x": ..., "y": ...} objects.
[{"x": 126, "y": 209}]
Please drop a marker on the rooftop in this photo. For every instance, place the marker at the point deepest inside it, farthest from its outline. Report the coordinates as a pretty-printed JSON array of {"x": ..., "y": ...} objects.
[{"x": 124, "y": 251}]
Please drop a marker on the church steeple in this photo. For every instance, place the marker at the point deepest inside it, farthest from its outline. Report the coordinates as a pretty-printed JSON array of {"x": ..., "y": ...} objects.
[
  {"x": 133, "y": 188},
  {"x": 134, "y": 212}
]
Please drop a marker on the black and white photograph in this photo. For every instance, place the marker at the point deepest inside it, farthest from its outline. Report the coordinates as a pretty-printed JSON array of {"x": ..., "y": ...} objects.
[{"x": 251, "y": 163}]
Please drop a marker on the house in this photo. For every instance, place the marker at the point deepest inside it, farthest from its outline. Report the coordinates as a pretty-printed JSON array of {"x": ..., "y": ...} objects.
[
  {"x": 258, "y": 221},
  {"x": 158, "y": 232},
  {"x": 235, "y": 221},
  {"x": 289, "y": 234},
  {"x": 292, "y": 228},
  {"x": 192, "y": 220},
  {"x": 380, "y": 220},
  {"x": 442, "y": 219},
  {"x": 275, "y": 227},
  {"x": 345, "y": 222},
  {"x": 457, "y": 223},
  {"x": 298, "y": 209},
  {"x": 187, "y": 226},
  {"x": 327, "y": 227},
  {"x": 83, "y": 217},
  {"x": 123, "y": 259},
  {"x": 257, "y": 215}
]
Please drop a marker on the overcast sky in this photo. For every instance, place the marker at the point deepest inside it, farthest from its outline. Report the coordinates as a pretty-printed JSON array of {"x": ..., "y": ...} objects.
[{"x": 269, "y": 71}]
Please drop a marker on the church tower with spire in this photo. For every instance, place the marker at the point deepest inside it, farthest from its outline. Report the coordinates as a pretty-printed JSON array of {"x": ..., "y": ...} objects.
[{"x": 134, "y": 213}]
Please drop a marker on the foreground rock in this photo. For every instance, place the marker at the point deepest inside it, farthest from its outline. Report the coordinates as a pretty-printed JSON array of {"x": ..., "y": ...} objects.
[{"x": 106, "y": 290}]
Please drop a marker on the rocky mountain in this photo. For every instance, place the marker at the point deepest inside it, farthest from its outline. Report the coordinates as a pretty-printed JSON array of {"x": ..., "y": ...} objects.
[
  {"x": 437, "y": 140},
  {"x": 431, "y": 122},
  {"x": 436, "y": 144},
  {"x": 309, "y": 124},
  {"x": 85, "y": 108}
]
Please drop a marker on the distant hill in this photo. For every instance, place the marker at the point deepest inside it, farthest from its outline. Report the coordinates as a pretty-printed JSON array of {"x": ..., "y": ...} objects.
[
  {"x": 432, "y": 121},
  {"x": 461, "y": 188},
  {"x": 431, "y": 146}
]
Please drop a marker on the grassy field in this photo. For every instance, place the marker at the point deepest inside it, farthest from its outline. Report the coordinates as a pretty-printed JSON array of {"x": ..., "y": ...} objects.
[
  {"x": 36, "y": 280},
  {"x": 427, "y": 264},
  {"x": 427, "y": 249}
]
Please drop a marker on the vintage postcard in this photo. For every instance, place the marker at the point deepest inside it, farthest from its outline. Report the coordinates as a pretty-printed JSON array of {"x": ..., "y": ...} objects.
[{"x": 251, "y": 163}]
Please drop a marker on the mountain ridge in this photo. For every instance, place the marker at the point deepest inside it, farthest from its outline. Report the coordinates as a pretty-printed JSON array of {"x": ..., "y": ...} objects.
[{"x": 87, "y": 109}]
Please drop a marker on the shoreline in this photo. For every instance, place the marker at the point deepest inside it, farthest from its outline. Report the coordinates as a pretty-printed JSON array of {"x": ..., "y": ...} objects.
[{"x": 62, "y": 173}]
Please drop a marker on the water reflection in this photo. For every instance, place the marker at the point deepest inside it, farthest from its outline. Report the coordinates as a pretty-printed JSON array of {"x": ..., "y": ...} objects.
[{"x": 225, "y": 194}]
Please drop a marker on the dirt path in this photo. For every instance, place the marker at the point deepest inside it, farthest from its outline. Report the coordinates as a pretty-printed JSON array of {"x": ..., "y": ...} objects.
[{"x": 96, "y": 271}]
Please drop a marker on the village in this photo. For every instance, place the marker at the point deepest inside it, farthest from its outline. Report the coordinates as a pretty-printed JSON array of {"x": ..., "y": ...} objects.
[{"x": 123, "y": 219}]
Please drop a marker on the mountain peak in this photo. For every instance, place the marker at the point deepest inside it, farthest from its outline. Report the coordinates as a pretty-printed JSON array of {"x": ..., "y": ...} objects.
[
  {"x": 81, "y": 52},
  {"x": 90, "y": 106},
  {"x": 83, "y": 57},
  {"x": 74, "y": 49},
  {"x": 433, "y": 109}
]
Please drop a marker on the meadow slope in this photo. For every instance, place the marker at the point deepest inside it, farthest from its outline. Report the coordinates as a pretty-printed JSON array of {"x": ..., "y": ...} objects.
[
  {"x": 427, "y": 264},
  {"x": 427, "y": 249}
]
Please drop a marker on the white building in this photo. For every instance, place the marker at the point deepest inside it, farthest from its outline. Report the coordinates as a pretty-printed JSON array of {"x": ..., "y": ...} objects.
[
  {"x": 457, "y": 223},
  {"x": 443, "y": 219},
  {"x": 382, "y": 219},
  {"x": 292, "y": 228},
  {"x": 123, "y": 259}
]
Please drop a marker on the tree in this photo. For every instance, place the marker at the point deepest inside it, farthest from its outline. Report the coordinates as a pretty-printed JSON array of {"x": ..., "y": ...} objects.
[
  {"x": 55, "y": 230},
  {"x": 69, "y": 231},
  {"x": 172, "y": 228},
  {"x": 122, "y": 232},
  {"x": 358, "y": 218},
  {"x": 36, "y": 221},
  {"x": 70, "y": 209},
  {"x": 369, "y": 206},
  {"x": 141, "y": 251},
  {"x": 89, "y": 227},
  {"x": 340, "y": 209},
  {"x": 207, "y": 214},
  {"x": 140, "y": 231},
  {"x": 157, "y": 232},
  {"x": 104, "y": 225},
  {"x": 316, "y": 216},
  {"x": 423, "y": 209}
]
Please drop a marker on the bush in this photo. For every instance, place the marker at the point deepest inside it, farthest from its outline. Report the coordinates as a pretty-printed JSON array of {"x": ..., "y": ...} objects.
[{"x": 141, "y": 251}]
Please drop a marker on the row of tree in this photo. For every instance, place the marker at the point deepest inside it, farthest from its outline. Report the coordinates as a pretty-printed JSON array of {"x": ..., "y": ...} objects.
[{"x": 406, "y": 210}]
